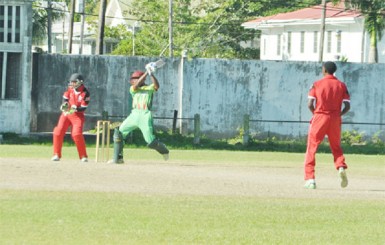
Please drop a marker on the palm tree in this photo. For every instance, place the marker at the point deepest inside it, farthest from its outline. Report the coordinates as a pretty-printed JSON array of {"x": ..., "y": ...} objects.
[{"x": 373, "y": 12}]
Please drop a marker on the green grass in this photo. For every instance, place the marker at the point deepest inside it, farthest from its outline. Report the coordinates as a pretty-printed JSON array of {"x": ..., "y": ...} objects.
[
  {"x": 54, "y": 217},
  {"x": 112, "y": 218}
]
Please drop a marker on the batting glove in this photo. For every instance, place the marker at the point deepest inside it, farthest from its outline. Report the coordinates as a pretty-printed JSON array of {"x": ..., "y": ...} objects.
[{"x": 151, "y": 68}]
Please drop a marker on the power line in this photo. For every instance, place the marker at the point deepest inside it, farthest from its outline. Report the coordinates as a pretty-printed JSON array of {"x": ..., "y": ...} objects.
[{"x": 188, "y": 22}]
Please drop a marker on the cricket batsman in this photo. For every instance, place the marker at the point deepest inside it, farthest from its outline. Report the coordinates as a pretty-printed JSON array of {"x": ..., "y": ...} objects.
[
  {"x": 75, "y": 102},
  {"x": 328, "y": 100},
  {"x": 141, "y": 115}
]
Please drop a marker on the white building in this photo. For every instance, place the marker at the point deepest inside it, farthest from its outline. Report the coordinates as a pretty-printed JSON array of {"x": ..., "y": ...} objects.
[
  {"x": 86, "y": 43},
  {"x": 296, "y": 35},
  {"x": 15, "y": 65}
]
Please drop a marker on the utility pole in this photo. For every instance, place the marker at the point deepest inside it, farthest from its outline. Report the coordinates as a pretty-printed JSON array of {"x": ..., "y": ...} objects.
[
  {"x": 134, "y": 26},
  {"x": 102, "y": 17},
  {"x": 81, "y": 8},
  {"x": 71, "y": 26},
  {"x": 49, "y": 27},
  {"x": 322, "y": 32},
  {"x": 170, "y": 28}
]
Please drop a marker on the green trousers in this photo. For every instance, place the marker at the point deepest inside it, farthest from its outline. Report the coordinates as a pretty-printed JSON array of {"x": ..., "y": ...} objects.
[{"x": 141, "y": 119}]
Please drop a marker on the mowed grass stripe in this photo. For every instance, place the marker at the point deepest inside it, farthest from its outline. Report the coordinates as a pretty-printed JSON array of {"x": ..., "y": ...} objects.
[{"x": 29, "y": 217}]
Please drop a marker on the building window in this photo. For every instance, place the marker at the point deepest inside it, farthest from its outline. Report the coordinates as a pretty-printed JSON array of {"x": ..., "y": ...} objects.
[
  {"x": 315, "y": 42},
  {"x": 109, "y": 47},
  {"x": 10, "y": 70},
  {"x": 2, "y": 21},
  {"x": 338, "y": 41},
  {"x": 302, "y": 42},
  {"x": 289, "y": 42},
  {"x": 10, "y": 24},
  {"x": 279, "y": 44},
  {"x": 329, "y": 38}
]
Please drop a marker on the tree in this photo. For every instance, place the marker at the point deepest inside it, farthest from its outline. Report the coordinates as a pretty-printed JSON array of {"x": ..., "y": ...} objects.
[
  {"x": 209, "y": 29},
  {"x": 153, "y": 36},
  {"x": 39, "y": 22},
  {"x": 373, "y": 12},
  {"x": 40, "y": 17}
]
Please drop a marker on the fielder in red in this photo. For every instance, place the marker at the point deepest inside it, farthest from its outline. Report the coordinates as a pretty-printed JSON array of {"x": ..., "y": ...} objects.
[
  {"x": 75, "y": 102},
  {"x": 328, "y": 100}
]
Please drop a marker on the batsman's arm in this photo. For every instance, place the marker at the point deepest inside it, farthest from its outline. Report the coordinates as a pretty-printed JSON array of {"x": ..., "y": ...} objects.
[
  {"x": 140, "y": 81},
  {"x": 155, "y": 82}
]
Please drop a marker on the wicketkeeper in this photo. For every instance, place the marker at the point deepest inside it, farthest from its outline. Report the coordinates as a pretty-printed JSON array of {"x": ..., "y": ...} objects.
[
  {"x": 141, "y": 115},
  {"x": 75, "y": 102}
]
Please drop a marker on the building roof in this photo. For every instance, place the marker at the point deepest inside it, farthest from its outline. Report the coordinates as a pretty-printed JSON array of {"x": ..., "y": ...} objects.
[{"x": 311, "y": 14}]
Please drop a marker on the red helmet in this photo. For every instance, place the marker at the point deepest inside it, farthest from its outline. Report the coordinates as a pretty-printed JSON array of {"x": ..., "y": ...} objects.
[{"x": 137, "y": 74}]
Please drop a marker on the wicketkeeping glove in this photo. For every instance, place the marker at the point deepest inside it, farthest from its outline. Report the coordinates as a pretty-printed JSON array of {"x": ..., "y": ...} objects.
[
  {"x": 72, "y": 110},
  {"x": 64, "y": 107},
  {"x": 66, "y": 110},
  {"x": 151, "y": 68}
]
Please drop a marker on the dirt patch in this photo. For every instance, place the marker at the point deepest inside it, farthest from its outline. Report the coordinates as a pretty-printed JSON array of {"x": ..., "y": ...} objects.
[{"x": 175, "y": 178}]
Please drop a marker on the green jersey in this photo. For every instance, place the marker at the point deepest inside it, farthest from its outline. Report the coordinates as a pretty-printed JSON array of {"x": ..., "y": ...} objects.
[{"x": 142, "y": 97}]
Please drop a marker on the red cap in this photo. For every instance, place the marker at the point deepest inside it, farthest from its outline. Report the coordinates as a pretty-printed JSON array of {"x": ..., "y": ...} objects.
[{"x": 137, "y": 74}]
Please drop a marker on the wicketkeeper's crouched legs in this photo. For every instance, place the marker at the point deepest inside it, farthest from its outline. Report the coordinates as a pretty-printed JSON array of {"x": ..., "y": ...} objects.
[{"x": 118, "y": 146}]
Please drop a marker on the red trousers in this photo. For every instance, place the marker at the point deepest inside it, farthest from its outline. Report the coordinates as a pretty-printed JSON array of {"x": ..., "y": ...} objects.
[
  {"x": 76, "y": 121},
  {"x": 321, "y": 125}
]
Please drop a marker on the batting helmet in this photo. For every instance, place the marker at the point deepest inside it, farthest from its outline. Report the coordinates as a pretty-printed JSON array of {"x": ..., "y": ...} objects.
[
  {"x": 78, "y": 79},
  {"x": 137, "y": 74}
]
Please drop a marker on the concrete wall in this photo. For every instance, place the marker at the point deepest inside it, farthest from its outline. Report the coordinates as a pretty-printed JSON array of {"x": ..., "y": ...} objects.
[{"x": 221, "y": 91}]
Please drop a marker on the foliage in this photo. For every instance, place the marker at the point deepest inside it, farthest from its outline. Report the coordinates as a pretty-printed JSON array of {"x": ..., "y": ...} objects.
[
  {"x": 352, "y": 137},
  {"x": 40, "y": 17},
  {"x": 40, "y": 21},
  {"x": 211, "y": 29},
  {"x": 343, "y": 59},
  {"x": 352, "y": 142},
  {"x": 91, "y": 8},
  {"x": 152, "y": 36}
]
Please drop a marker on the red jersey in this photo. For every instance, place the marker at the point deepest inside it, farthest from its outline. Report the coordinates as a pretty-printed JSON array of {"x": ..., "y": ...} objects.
[
  {"x": 79, "y": 97},
  {"x": 329, "y": 94}
]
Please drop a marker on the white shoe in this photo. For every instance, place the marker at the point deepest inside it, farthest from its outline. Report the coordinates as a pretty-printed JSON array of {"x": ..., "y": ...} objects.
[
  {"x": 55, "y": 158},
  {"x": 84, "y": 159},
  {"x": 310, "y": 184},
  {"x": 118, "y": 162},
  {"x": 165, "y": 156},
  {"x": 344, "y": 178}
]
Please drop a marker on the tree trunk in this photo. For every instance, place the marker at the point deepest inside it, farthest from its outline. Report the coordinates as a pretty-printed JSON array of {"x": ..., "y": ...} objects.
[{"x": 373, "y": 53}]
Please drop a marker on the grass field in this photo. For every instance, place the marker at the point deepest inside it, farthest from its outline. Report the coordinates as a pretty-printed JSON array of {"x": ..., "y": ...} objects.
[{"x": 197, "y": 197}]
